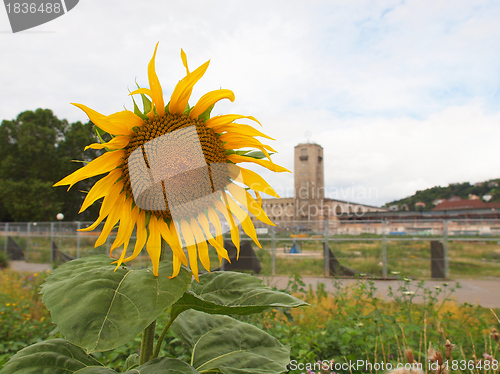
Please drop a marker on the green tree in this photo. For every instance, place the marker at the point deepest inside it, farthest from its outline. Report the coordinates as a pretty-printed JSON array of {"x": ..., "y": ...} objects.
[{"x": 36, "y": 150}]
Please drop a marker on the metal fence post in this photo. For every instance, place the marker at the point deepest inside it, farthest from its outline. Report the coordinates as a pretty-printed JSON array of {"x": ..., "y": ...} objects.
[
  {"x": 52, "y": 242},
  {"x": 78, "y": 224},
  {"x": 384, "y": 248},
  {"x": 445, "y": 248},
  {"x": 326, "y": 248},
  {"x": 273, "y": 251},
  {"x": 6, "y": 237},
  {"x": 28, "y": 240}
]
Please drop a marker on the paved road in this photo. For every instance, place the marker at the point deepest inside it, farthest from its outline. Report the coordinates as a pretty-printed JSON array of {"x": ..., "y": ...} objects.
[
  {"x": 29, "y": 267},
  {"x": 484, "y": 292}
]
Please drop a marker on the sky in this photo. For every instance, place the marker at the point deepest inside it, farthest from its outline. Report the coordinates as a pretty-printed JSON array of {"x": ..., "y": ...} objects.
[{"x": 402, "y": 95}]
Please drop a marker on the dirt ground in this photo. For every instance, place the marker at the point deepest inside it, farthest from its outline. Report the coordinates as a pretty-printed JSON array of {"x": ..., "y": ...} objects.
[{"x": 484, "y": 292}]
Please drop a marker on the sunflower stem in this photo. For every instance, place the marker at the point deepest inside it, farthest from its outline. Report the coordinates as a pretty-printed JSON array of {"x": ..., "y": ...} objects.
[
  {"x": 148, "y": 338},
  {"x": 163, "y": 334}
]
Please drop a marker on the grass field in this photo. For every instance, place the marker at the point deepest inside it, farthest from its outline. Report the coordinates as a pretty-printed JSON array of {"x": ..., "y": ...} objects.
[{"x": 472, "y": 259}]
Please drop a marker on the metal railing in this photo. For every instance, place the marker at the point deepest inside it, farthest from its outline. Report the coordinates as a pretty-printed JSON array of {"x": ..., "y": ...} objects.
[{"x": 309, "y": 247}]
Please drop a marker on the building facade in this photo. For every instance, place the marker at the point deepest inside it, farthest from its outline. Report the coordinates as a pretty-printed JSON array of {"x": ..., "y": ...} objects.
[{"x": 309, "y": 208}]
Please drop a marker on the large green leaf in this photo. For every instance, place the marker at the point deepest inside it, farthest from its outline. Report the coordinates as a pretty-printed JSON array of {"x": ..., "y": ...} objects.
[
  {"x": 230, "y": 346},
  {"x": 59, "y": 356},
  {"x": 156, "y": 366},
  {"x": 56, "y": 356},
  {"x": 164, "y": 366},
  {"x": 226, "y": 292},
  {"x": 98, "y": 308}
]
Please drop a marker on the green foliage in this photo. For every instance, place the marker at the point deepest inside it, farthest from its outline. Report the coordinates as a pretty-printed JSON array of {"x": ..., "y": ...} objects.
[
  {"x": 353, "y": 324},
  {"x": 24, "y": 319},
  {"x": 349, "y": 324},
  {"x": 59, "y": 356},
  {"x": 4, "y": 260},
  {"x": 37, "y": 150},
  {"x": 232, "y": 293},
  {"x": 99, "y": 308},
  {"x": 461, "y": 190},
  {"x": 223, "y": 344}
]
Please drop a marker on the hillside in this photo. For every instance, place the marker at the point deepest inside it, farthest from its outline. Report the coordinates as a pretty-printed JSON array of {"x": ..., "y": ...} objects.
[{"x": 461, "y": 190}]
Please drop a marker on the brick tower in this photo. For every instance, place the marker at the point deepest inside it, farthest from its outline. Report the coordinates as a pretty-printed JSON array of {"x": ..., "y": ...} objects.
[{"x": 309, "y": 181}]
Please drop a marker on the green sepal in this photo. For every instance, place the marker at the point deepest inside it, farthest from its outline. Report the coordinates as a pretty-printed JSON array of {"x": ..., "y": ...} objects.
[
  {"x": 188, "y": 109},
  {"x": 148, "y": 217},
  {"x": 257, "y": 154},
  {"x": 138, "y": 112},
  {"x": 205, "y": 116},
  {"x": 146, "y": 103},
  {"x": 253, "y": 154},
  {"x": 100, "y": 133},
  {"x": 233, "y": 152},
  {"x": 167, "y": 107}
]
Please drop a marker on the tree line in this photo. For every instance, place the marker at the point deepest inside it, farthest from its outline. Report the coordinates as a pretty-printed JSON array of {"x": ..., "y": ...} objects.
[
  {"x": 36, "y": 150},
  {"x": 462, "y": 190}
]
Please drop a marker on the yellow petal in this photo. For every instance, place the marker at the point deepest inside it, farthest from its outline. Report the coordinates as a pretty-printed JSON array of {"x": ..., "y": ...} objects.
[
  {"x": 142, "y": 236},
  {"x": 113, "y": 218},
  {"x": 245, "y": 139},
  {"x": 201, "y": 244},
  {"x": 244, "y": 198},
  {"x": 183, "y": 89},
  {"x": 209, "y": 99},
  {"x": 100, "y": 188},
  {"x": 259, "y": 198},
  {"x": 107, "y": 205},
  {"x": 231, "y": 143},
  {"x": 100, "y": 165},
  {"x": 127, "y": 223},
  {"x": 184, "y": 61},
  {"x": 153, "y": 246},
  {"x": 191, "y": 247},
  {"x": 145, "y": 91},
  {"x": 154, "y": 85},
  {"x": 265, "y": 163},
  {"x": 214, "y": 218},
  {"x": 256, "y": 209},
  {"x": 240, "y": 128},
  {"x": 176, "y": 267},
  {"x": 233, "y": 228},
  {"x": 227, "y": 119},
  {"x": 256, "y": 182},
  {"x": 244, "y": 218},
  {"x": 118, "y": 142},
  {"x": 178, "y": 249},
  {"x": 221, "y": 251},
  {"x": 120, "y": 260},
  {"x": 172, "y": 240},
  {"x": 120, "y": 123}
]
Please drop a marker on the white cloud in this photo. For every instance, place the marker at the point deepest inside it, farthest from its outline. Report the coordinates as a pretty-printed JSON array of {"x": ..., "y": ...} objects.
[{"x": 402, "y": 95}]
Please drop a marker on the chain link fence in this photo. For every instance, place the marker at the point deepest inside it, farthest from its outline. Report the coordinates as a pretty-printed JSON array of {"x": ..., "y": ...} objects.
[{"x": 416, "y": 248}]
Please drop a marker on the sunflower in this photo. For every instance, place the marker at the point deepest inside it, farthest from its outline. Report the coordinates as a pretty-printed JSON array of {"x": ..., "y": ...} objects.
[{"x": 172, "y": 174}]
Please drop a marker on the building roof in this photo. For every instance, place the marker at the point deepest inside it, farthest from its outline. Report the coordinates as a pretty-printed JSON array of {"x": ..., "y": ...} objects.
[{"x": 466, "y": 204}]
